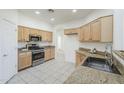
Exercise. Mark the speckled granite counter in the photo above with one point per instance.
(119, 53)
(88, 54)
(86, 75)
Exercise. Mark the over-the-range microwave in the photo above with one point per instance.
(34, 38)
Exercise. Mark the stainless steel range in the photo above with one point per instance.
(37, 54)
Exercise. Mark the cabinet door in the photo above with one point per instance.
(29, 59)
(20, 33)
(107, 29)
(47, 54)
(26, 34)
(49, 36)
(87, 32)
(95, 30)
(44, 36)
(77, 59)
(81, 34)
(52, 52)
(22, 61)
(25, 60)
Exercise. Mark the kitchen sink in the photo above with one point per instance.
(100, 64)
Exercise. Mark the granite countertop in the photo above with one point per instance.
(86, 75)
(87, 52)
(119, 53)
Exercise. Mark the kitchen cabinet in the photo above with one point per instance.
(23, 34)
(107, 29)
(49, 36)
(99, 30)
(52, 52)
(95, 30)
(44, 36)
(71, 31)
(86, 32)
(25, 60)
(49, 53)
(79, 58)
(34, 32)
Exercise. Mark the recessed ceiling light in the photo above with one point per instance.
(37, 12)
(52, 19)
(74, 10)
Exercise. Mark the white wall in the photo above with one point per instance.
(118, 29)
(71, 43)
(10, 17)
(35, 23)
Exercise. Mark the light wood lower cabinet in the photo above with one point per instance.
(49, 53)
(79, 58)
(24, 60)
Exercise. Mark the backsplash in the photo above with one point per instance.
(23, 44)
(98, 46)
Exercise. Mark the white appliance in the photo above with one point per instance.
(8, 50)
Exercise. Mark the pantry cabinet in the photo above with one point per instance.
(24, 60)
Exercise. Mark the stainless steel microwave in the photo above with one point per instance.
(34, 38)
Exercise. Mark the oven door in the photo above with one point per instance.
(37, 55)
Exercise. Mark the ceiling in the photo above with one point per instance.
(60, 15)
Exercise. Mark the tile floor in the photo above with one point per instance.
(52, 72)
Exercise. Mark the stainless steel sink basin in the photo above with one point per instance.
(100, 64)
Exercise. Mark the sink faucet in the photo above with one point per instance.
(108, 55)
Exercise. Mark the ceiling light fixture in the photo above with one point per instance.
(37, 12)
(74, 10)
(52, 19)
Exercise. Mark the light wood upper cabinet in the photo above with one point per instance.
(100, 30)
(81, 34)
(95, 30)
(23, 34)
(86, 32)
(107, 29)
(20, 33)
(26, 32)
(71, 31)
(49, 36)
(25, 60)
